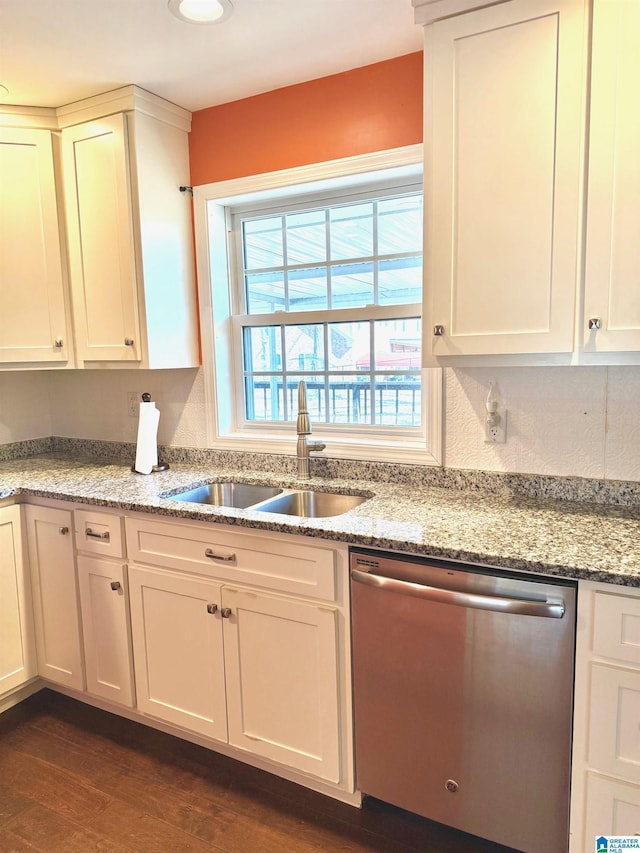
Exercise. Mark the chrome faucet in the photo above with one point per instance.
(303, 428)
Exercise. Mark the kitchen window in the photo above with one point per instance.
(318, 276)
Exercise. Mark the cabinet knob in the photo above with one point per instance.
(63, 531)
(594, 323)
(128, 342)
(438, 331)
(115, 585)
(225, 612)
(212, 608)
(58, 343)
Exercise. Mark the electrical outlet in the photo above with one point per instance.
(133, 403)
(496, 433)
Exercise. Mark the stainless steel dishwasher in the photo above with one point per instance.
(463, 686)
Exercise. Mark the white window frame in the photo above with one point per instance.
(222, 365)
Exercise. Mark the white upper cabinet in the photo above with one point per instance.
(612, 272)
(129, 231)
(101, 250)
(33, 321)
(504, 133)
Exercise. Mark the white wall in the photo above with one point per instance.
(93, 404)
(25, 412)
(567, 421)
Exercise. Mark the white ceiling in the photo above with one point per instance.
(54, 52)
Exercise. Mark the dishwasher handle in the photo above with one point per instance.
(550, 609)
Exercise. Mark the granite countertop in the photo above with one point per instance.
(588, 541)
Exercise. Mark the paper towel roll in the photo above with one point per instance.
(147, 446)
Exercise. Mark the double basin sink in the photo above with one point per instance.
(303, 503)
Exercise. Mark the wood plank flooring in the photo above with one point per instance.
(74, 779)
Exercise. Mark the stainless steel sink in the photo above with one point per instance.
(309, 504)
(238, 495)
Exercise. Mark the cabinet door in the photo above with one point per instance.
(177, 650)
(55, 598)
(105, 625)
(503, 139)
(612, 272)
(32, 307)
(17, 652)
(614, 725)
(613, 808)
(282, 681)
(101, 248)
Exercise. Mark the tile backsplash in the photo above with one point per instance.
(562, 421)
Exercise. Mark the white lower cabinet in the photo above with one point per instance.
(177, 648)
(255, 670)
(242, 636)
(281, 658)
(606, 760)
(80, 606)
(611, 804)
(104, 605)
(55, 596)
(17, 652)
(105, 628)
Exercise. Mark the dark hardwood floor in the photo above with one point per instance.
(74, 779)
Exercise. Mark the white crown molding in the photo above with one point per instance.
(428, 11)
(121, 100)
(42, 118)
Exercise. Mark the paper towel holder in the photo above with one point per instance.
(156, 469)
(161, 466)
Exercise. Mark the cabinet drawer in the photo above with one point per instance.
(614, 745)
(616, 631)
(613, 808)
(252, 558)
(99, 533)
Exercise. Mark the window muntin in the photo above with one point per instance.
(354, 268)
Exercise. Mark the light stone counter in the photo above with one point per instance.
(583, 540)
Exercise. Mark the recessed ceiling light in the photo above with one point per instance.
(201, 11)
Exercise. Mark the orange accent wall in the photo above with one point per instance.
(355, 112)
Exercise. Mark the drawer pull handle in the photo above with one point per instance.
(63, 530)
(225, 612)
(212, 608)
(128, 342)
(115, 585)
(224, 558)
(93, 535)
